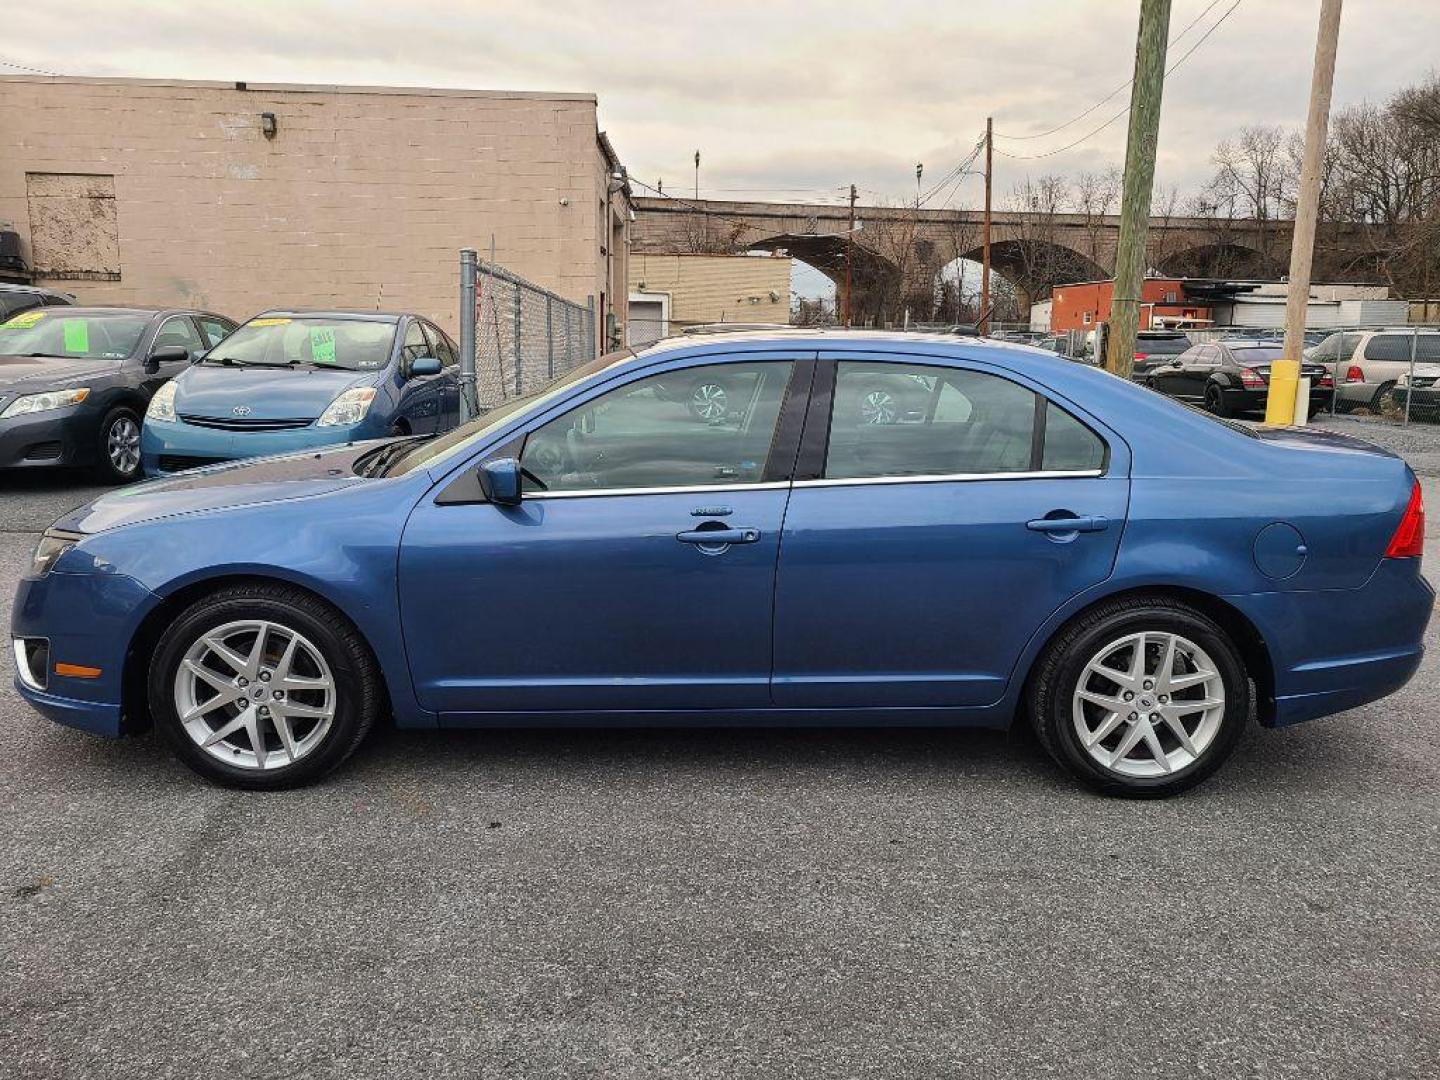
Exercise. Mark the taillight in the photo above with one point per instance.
(1251, 379)
(1409, 539)
(1142, 356)
(1326, 381)
(1354, 374)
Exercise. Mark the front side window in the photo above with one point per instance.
(179, 331)
(696, 427)
(217, 330)
(415, 345)
(72, 334)
(286, 340)
(895, 420)
(440, 346)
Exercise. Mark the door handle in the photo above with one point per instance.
(1069, 524)
(717, 537)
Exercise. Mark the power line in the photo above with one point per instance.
(1096, 131)
(27, 67)
(1110, 96)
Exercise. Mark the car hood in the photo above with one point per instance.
(269, 393)
(28, 374)
(241, 483)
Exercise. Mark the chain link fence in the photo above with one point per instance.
(523, 335)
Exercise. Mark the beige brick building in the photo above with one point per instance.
(240, 197)
(670, 292)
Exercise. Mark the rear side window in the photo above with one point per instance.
(892, 420)
(1397, 347)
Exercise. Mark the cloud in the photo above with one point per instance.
(776, 96)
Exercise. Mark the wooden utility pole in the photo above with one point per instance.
(1285, 374)
(985, 236)
(849, 256)
(1140, 145)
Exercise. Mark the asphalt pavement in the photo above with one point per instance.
(719, 904)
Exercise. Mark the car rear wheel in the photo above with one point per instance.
(1384, 398)
(1141, 698)
(119, 456)
(1215, 401)
(263, 687)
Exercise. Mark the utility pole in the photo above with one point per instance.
(1140, 144)
(985, 236)
(849, 256)
(1285, 373)
(697, 175)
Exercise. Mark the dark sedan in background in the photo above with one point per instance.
(74, 382)
(1154, 349)
(1232, 376)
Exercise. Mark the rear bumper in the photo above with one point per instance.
(167, 447)
(1334, 650)
(1255, 400)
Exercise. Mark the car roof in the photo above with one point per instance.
(321, 313)
(1252, 343)
(37, 290)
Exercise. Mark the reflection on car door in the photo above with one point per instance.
(919, 555)
(637, 572)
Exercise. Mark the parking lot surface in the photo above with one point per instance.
(720, 903)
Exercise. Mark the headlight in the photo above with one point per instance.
(51, 399)
(50, 548)
(162, 405)
(349, 408)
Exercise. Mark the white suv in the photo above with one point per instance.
(1379, 359)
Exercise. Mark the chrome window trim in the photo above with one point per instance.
(940, 478)
(684, 489)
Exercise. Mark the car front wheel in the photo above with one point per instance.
(264, 687)
(119, 457)
(1141, 698)
(1215, 401)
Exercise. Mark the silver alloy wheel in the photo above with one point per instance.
(255, 694)
(878, 407)
(710, 402)
(1149, 704)
(122, 444)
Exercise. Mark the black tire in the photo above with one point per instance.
(1384, 396)
(119, 423)
(359, 695)
(1215, 400)
(1057, 673)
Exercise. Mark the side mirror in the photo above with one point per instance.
(500, 481)
(165, 354)
(424, 365)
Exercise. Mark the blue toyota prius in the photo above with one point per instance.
(290, 380)
(857, 529)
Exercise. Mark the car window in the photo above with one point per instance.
(415, 344)
(179, 330)
(919, 420)
(1070, 446)
(216, 330)
(1396, 347)
(73, 333)
(695, 427)
(439, 346)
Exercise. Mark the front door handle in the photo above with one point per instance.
(716, 537)
(1093, 523)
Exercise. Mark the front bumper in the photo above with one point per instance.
(66, 436)
(1424, 402)
(171, 446)
(87, 620)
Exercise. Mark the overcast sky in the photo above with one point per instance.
(776, 95)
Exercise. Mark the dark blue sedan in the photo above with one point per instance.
(866, 530)
(290, 380)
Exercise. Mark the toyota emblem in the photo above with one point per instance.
(241, 410)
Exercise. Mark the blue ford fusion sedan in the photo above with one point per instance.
(873, 529)
(292, 380)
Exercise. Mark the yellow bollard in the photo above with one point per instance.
(1280, 402)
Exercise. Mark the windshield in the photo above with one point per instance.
(73, 335)
(435, 450)
(1256, 354)
(1161, 346)
(272, 341)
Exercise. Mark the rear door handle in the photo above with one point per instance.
(1069, 524)
(718, 536)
